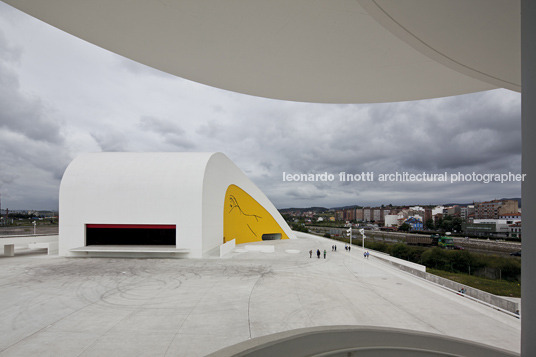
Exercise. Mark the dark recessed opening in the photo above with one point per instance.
(130, 235)
(271, 236)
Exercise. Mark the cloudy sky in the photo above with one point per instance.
(61, 96)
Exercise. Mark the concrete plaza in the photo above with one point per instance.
(54, 306)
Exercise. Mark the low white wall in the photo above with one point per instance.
(387, 257)
(227, 247)
(260, 248)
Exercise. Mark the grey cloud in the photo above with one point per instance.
(160, 126)
(465, 133)
(210, 130)
(23, 114)
(10, 53)
(173, 134)
(30, 171)
(305, 192)
(20, 112)
(6, 176)
(110, 141)
(31, 139)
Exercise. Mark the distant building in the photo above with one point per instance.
(487, 227)
(453, 211)
(437, 210)
(427, 214)
(415, 224)
(367, 216)
(466, 212)
(514, 230)
(377, 215)
(349, 214)
(511, 216)
(391, 220)
(494, 209)
(359, 214)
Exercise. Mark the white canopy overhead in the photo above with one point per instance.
(342, 51)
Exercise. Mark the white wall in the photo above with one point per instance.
(132, 188)
(184, 189)
(220, 173)
(390, 220)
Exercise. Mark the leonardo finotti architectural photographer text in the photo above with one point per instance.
(370, 176)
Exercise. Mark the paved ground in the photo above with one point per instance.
(54, 306)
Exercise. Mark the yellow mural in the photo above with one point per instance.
(245, 220)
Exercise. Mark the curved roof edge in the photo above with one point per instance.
(383, 17)
(306, 51)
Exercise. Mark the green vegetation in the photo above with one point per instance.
(497, 287)
(299, 227)
(449, 224)
(491, 267)
(404, 227)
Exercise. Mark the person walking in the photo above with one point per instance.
(310, 253)
(335, 247)
(348, 248)
(324, 254)
(318, 253)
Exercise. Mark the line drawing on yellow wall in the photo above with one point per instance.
(234, 204)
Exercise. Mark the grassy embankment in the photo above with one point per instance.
(496, 287)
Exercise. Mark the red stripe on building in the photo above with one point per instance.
(133, 226)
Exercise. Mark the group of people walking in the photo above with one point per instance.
(318, 253)
(334, 249)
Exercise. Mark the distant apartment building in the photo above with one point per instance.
(349, 214)
(511, 216)
(466, 212)
(377, 215)
(367, 216)
(494, 209)
(453, 211)
(427, 214)
(359, 214)
(437, 210)
(514, 230)
(372, 214)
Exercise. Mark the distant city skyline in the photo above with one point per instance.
(61, 97)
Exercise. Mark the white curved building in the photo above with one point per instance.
(178, 204)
